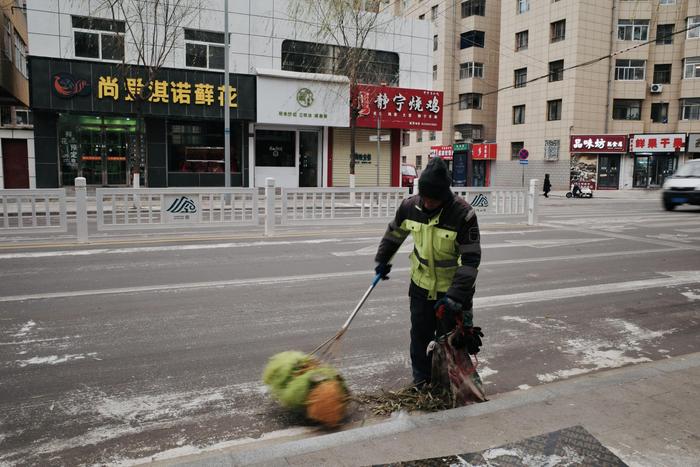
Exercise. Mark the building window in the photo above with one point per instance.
(419, 162)
(204, 49)
(470, 100)
(199, 147)
(662, 73)
(523, 6)
(405, 138)
(469, 132)
(664, 34)
(554, 110)
(515, 148)
(630, 70)
(518, 114)
(403, 159)
(557, 31)
(473, 8)
(20, 55)
(632, 29)
(627, 109)
(691, 68)
(521, 39)
(421, 17)
(693, 27)
(419, 136)
(471, 39)
(659, 112)
(308, 57)
(667, 2)
(7, 36)
(98, 38)
(690, 109)
(435, 72)
(520, 78)
(471, 70)
(435, 42)
(434, 13)
(432, 136)
(556, 70)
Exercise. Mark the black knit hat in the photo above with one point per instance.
(435, 181)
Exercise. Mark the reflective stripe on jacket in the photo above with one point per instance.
(447, 250)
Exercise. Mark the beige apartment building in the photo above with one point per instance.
(605, 93)
(465, 46)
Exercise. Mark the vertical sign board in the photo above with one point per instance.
(181, 209)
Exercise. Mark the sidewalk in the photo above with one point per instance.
(646, 414)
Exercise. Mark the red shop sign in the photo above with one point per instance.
(443, 152)
(666, 142)
(406, 109)
(484, 152)
(598, 143)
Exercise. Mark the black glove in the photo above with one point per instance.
(383, 269)
(447, 307)
(469, 337)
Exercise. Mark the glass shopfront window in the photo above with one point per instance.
(199, 147)
(652, 170)
(101, 149)
(275, 148)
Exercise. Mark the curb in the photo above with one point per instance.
(403, 422)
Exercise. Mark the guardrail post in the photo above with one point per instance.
(269, 206)
(81, 209)
(532, 203)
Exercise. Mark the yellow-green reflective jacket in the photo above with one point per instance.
(447, 250)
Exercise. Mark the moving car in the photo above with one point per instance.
(683, 187)
(408, 176)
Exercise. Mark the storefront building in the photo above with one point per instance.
(597, 160)
(383, 112)
(295, 117)
(655, 156)
(86, 123)
(693, 151)
(482, 156)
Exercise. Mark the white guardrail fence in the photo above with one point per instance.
(33, 211)
(166, 208)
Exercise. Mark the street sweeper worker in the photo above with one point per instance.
(444, 262)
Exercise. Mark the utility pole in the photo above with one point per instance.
(227, 104)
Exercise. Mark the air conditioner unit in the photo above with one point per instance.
(656, 88)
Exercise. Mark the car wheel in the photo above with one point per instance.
(569, 195)
(669, 206)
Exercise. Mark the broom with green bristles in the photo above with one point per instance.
(301, 382)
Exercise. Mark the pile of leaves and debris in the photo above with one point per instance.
(410, 399)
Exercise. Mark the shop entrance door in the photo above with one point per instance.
(608, 172)
(308, 158)
(652, 171)
(97, 148)
(15, 163)
(479, 173)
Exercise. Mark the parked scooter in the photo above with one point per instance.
(578, 192)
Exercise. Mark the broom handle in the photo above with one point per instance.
(376, 280)
(342, 330)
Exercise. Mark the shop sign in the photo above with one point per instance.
(290, 98)
(694, 142)
(180, 92)
(667, 142)
(484, 152)
(598, 143)
(406, 109)
(443, 152)
(363, 158)
(460, 147)
(181, 209)
(78, 86)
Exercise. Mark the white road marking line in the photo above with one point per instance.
(671, 279)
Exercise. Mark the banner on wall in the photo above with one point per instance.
(584, 170)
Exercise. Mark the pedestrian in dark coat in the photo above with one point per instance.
(547, 186)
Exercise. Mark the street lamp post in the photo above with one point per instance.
(227, 104)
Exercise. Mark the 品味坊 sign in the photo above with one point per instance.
(80, 86)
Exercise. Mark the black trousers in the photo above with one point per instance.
(423, 324)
